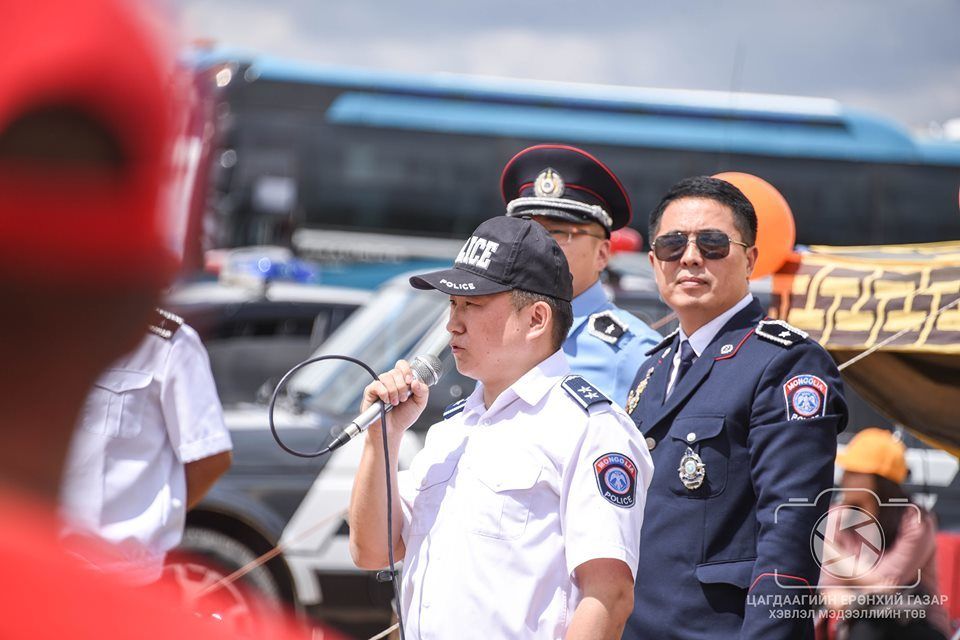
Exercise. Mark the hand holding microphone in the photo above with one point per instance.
(403, 391)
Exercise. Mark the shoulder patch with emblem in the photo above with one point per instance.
(666, 340)
(454, 408)
(616, 479)
(164, 323)
(780, 333)
(806, 397)
(583, 393)
(606, 326)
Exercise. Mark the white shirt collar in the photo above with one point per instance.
(531, 387)
(703, 336)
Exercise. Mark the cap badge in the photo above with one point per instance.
(549, 184)
(692, 470)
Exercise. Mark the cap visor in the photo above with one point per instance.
(458, 282)
(557, 214)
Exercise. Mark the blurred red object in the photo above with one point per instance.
(86, 118)
(625, 239)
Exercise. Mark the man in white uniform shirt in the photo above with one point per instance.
(150, 443)
(520, 518)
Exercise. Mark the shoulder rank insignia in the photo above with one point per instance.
(780, 333)
(454, 408)
(584, 393)
(164, 323)
(666, 340)
(606, 326)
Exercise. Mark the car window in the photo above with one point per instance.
(385, 330)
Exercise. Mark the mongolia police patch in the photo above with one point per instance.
(617, 479)
(806, 397)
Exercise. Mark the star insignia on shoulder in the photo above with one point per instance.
(583, 393)
(780, 333)
(607, 326)
(164, 323)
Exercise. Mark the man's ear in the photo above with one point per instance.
(753, 253)
(539, 319)
(603, 255)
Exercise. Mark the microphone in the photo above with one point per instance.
(426, 368)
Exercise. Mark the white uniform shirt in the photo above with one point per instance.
(503, 504)
(148, 414)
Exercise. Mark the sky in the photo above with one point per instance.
(900, 58)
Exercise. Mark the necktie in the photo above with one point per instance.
(687, 356)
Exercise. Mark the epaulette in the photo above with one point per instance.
(164, 323)
(454, 409)
(584, 393)
(780, 333)
(667, 340)
(606, 326)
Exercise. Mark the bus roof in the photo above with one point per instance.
(712, 121)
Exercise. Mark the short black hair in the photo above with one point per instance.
(562, 312)
(744, 215)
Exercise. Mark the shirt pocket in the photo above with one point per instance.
(708, 439)
(501, 497)
(736, 572)
(430, 491)
(115, 405)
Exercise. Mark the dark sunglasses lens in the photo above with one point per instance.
(713, 245)
(670, 248)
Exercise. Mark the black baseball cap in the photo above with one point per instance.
(566, 183)
(504, 254)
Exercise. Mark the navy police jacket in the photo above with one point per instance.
(742, 449)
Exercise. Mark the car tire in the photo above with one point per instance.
(205, 557)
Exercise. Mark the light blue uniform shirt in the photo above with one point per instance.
(609, 362)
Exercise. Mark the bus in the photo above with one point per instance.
(314, 155)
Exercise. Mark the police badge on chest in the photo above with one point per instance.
(692, 470)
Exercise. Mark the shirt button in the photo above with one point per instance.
(691, 436)
(651, 443)
(485, 422)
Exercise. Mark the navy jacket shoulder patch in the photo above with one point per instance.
(454, 409)
(667, 340)
(583, 393)
(164, 323)
(606, 326)
(780, 333)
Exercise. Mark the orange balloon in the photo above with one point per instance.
(776, 231)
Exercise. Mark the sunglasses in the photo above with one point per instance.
(713, 245)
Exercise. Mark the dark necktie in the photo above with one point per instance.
(687, 356)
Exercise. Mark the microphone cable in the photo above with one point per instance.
(394, 577)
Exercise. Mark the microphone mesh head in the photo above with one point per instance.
(427, 368)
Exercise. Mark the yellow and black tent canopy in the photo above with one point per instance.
(890, 316)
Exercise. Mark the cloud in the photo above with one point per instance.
(901, 59)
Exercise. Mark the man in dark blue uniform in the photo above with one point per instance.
(579, 200)
(741, 415)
